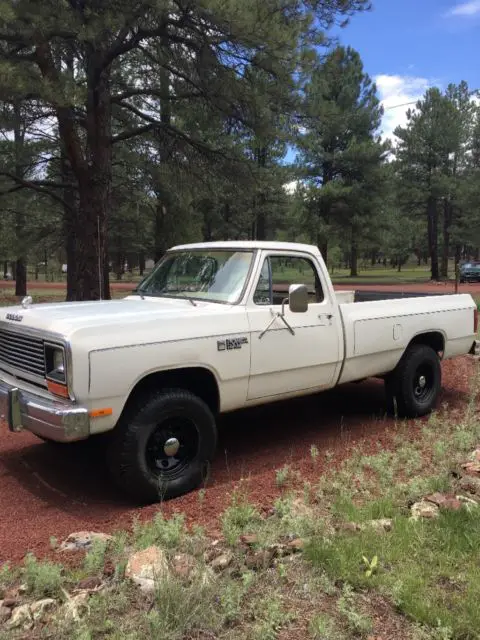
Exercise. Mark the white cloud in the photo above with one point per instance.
(471, 8)
(395, 90)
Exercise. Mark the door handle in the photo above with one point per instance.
(328, 316)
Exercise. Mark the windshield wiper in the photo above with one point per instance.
(140, 293)
(182, 297)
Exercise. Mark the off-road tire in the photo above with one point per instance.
(408, 396)
(130, 444)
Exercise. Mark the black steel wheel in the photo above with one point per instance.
(163, 446)
(413, 387)
(172, 446)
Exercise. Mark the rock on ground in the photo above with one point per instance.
(146, 567)
(424, 509)
(83, 540)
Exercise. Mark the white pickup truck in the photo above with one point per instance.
(213, 328)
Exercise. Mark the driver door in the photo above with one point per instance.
(282, 363)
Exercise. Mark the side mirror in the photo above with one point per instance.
(298, 298)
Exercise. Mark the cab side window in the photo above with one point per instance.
(279, 272)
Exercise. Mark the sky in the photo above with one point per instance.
(410, 45)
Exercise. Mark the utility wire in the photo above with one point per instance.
(406, 104)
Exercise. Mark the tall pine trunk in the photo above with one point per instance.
(20, 262)
(90, 160)
(70, 207)
(163, 211)
(322, 244)
(354, 256)
(324, 213)
(160, 229)
(260, 200)
(432, 222)
(70, 222)
(447, 218)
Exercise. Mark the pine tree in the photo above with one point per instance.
(425, 146)
(99, 67)
(340, 151)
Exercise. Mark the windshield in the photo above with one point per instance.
(215, 276)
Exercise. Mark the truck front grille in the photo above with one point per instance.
(22, 352)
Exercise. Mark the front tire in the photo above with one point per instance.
(412, 389)
(162, 446)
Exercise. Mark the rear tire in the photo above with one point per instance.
(412, 389)
(162, 446)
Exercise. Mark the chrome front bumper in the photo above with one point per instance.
(50, 419)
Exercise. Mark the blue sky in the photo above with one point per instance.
(410, 45)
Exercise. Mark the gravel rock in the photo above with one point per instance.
(21, 617)
(381, 525)
(11, 602)
(147, 567)
(260, 560)
(296, 545)
(221, 562)
(424, 509)
(83, 540)
(41, 607)
(90, 584)
(472, 468)
(75, 606)
(5, 613)
(470, 484)
(183, 565)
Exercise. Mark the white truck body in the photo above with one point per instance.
(246, 348)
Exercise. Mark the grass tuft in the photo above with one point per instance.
(43, 578)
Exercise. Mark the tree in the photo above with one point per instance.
(340, 151)
(460, 213)
(73, 56)
(425, 146)
(21, 155)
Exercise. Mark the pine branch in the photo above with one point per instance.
(38, 186)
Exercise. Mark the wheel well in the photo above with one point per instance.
(198, 380)
(433, 339)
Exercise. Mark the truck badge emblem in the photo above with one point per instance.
(14, 317)
(231, 343)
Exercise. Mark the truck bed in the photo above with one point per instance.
(364, 295)
(376, 334)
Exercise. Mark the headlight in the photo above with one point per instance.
(55, 363)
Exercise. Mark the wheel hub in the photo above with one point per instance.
(422, 386)
(171, 447)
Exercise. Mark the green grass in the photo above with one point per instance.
(43, 579)
(381, 275)
(428, 568)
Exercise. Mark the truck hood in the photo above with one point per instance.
(66, 318)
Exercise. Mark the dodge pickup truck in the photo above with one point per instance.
(213, 328)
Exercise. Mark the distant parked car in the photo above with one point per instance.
(470, 272)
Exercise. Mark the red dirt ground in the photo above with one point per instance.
(46, 492)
